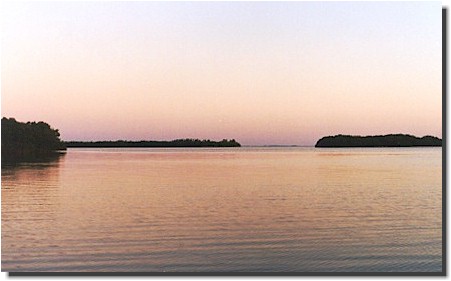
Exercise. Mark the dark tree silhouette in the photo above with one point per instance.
(173, 143)
(23, 141)
(393, 140)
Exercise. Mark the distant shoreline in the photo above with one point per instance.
(392, 140)
(252, 146)
(156, 144)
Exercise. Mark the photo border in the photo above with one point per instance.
(444, 217)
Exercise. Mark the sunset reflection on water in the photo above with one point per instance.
(229, 209)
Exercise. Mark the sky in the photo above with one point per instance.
(285, 73)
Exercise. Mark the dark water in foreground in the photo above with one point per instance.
(228, 209)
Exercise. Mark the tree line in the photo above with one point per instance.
(392, 140)
(35, 140)
(172, 143)
(28, 140)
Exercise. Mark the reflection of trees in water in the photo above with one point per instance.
(29, 193)
(36, 162)
(32, 173)
(30, 207)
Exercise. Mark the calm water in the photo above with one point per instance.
(229, 209)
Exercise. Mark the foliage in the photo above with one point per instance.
(392, 140)
(173, 143)
(28, 140)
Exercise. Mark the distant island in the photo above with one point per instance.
(172, 143)
(392, 140)
(28, 141)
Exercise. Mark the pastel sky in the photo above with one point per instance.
(259, 72)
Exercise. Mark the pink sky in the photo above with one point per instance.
(262, 73)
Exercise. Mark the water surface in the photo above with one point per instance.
(225, 209)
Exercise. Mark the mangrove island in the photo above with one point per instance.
(392, 140)
(28, 141)
(173, 143)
